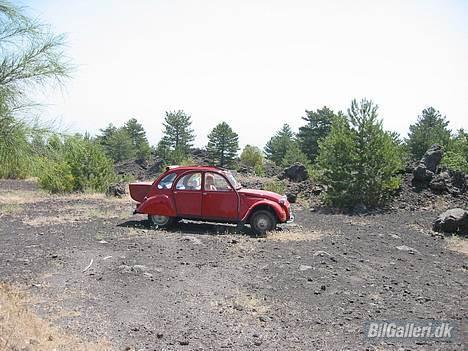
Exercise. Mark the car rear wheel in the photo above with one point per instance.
(262, 221)
(160, 221)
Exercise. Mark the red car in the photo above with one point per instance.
(208, 194)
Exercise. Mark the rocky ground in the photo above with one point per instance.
(92, 272)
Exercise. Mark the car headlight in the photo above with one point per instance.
(283, 200)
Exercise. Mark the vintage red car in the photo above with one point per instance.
(211, 194)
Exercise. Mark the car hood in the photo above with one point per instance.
(261, 194)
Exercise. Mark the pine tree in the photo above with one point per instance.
(318, 126)
(178, 134)
(138, 136)
(276, 147)
(223, 144)
(430, 128)
(294, 155)
(359, 161)
(119, 146)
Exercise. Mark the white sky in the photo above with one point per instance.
(257, 64)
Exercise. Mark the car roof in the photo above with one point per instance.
(194, 168)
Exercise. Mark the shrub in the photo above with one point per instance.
(77, 164)
(275, 186)
(251, 156)
(55, 176)
(359, 161)
(455, 161)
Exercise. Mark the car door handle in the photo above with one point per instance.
(204, 193)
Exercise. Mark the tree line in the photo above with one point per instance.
(349, 152)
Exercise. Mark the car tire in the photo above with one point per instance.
(160, 221)
(262, 221)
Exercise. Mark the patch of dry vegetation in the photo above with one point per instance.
(456, 243)
(22, 329)
(295, 234)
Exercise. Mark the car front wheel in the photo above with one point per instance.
(160, 221)
(262, 221)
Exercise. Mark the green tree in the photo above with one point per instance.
(317, 127)
(276, 147)
(359, 160)
(223, 144)
(430, 128)
(119, 146)
(178, 134)
(456, 156)
(252, 156)
(138, 137)
(294, 155)
(30, 57)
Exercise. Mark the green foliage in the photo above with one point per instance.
(359, 161)
(455, 161)
(15, 151)
(318, 126)
(275, 186)
(138, 139)
(177, 136)
(251, 156)
(294, 155)
(430, 128)
(276, 147)
(125, 143)
(75, 164)
(456, 156)
(55, 176)
(119, 146)
(30, 55)
(223, 144)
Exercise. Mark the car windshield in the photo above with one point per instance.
(233, 180)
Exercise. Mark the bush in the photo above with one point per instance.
(455, 161)
(251, 156)
(275, 186)
(77, 164)
(55, 176)
(359, 161)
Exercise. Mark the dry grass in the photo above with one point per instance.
(456, 243)
(9, 209)
(77, 213)
(22, 329)
(296, 234)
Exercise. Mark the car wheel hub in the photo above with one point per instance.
(263, 223)
(159, 220)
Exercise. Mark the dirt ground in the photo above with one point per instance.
(80, 272)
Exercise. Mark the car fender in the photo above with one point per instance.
(279, 211)
(161, 205)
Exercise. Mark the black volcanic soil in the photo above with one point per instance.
(309, 286)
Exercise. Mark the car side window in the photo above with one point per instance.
(216, 182)
(191, 181)
(166, 182)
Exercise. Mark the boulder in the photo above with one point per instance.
(291, 197)
(422, 174)
(452, 221)
(296, 173)
(117, 190)
(427, 167)
(432, 157)
(440, 182)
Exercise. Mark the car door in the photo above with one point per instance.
(220, 200)
(188, 196)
